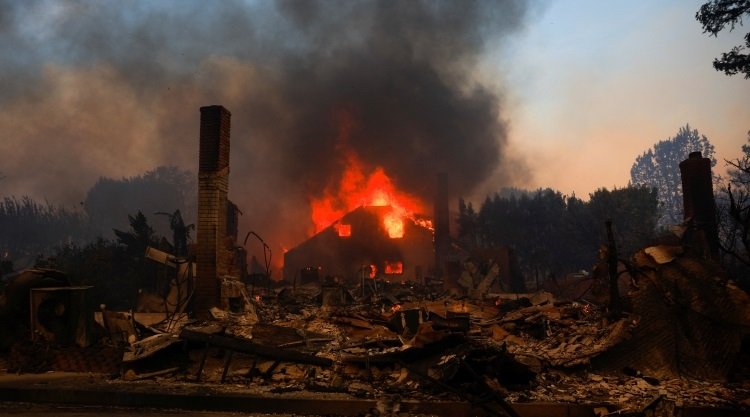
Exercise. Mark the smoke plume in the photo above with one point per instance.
(96, 89)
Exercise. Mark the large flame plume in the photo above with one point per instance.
(359, 187)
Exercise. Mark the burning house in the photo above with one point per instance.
(366, 227)
(369, 241)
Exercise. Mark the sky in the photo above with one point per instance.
(558, 93)
(593, 84)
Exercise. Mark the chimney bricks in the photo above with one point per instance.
(698, 199)
(213, 186)
(214, 139)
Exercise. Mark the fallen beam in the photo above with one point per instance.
(247, 346)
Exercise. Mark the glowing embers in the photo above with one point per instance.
(372, 271)
(343, 230)
(394, 268)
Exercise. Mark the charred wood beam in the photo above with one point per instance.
(306, 342)
(269, 371)
(138, 377)
(227, 362)
(204, 356)
(246, 346)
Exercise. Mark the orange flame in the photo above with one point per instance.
(344, 230)
(394, 224)
(359, 186)
(356, 189)
(396, 267)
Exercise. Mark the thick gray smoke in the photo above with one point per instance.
(113, 89)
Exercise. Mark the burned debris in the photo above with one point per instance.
(371, 314)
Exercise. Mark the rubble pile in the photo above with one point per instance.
(380, 339)
(631, 392)
(690, 319)
(402, 339)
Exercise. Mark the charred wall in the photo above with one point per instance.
(368, 244)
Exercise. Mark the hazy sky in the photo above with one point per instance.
(592, 84)
(562, 94)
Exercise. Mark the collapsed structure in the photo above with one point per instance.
(390, 333)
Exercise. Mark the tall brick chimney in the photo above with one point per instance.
(698, 199)
(213, 186)
(442, 224)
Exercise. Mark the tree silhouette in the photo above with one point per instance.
(735, 214)
(553, 234)
(138, 237)
(29, 228)
(659, 168)
(715, 15)
(467, 224)
(163, 189)
(180, 232)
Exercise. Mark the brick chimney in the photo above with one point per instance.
(698, 199)
(213, 186)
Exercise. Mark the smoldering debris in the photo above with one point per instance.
(409, 340)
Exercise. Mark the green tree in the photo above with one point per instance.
(658, 168)
(714, 16)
